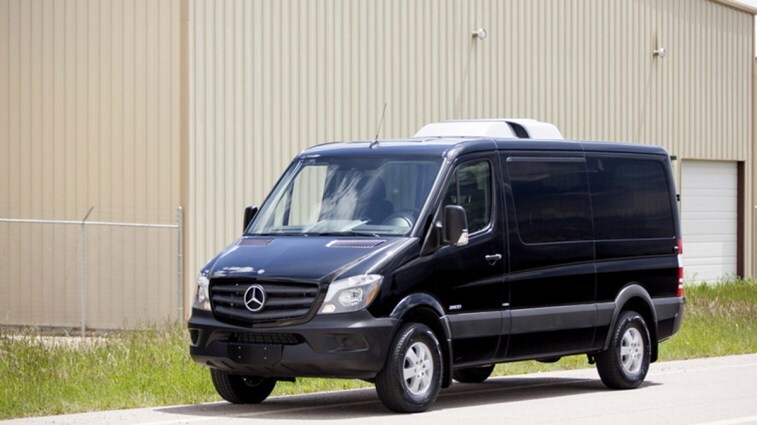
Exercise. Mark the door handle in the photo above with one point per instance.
(493, 258)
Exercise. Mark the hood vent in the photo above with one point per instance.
(352, 243)
(254, 242)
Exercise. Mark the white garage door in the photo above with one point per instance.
(709, 200)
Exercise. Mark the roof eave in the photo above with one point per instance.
(736, 5)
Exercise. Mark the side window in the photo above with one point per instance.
(470, 188)
(551, 199)
(630, 198)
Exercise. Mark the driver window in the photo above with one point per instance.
(470, 188)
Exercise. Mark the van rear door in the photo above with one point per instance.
(633, 200)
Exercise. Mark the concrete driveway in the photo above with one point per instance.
(716, 391)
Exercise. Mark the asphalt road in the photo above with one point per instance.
(716, 391)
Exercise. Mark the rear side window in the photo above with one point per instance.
(630, 199)
(551, 199)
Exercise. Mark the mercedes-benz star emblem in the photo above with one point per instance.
(254, 298)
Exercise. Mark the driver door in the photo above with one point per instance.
(469, 279)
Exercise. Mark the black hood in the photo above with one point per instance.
(302, 257)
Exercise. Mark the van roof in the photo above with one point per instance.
(451, 147)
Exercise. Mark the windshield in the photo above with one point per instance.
(348, 196)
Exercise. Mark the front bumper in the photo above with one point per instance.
(350, 345)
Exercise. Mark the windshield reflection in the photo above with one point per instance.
(338, 196)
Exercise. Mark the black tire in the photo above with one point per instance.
(625, 364)
(415, 349)
(473, 375)
(240, 389)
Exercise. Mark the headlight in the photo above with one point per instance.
(202, 294)
(351, 294)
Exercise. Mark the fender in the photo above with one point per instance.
(421, 299)
(632, 291)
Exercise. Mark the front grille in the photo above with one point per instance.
(265, 338)
(285, 301)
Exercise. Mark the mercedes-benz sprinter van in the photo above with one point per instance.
(410, 263)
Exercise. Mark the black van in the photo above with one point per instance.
(410, 263)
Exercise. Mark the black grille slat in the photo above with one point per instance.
(234, 313)
(290, 302)
(285, 301)
(228, 300)
(277, 315)
(275, 289)
(230, 288)
(238, 313)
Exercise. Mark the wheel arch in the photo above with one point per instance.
(424, 308)
(634, 297)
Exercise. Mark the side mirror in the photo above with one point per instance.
(455, 225)
(249, 214)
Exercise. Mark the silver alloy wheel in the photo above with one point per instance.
(418, 368)
(632, 351)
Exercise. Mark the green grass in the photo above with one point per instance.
(719, 320)
(141, 368)
(152, 367)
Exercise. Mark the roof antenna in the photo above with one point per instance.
(375, 143)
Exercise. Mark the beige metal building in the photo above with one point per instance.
(90, 116)
(139, 107)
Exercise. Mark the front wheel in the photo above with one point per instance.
(625, 363)
(411, 378)
(240, 389)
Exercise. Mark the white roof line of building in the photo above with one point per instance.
(736, 5)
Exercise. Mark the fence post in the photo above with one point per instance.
(180, 262)
(83, 272)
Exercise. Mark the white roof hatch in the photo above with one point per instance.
(504, 128)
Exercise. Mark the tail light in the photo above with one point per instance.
(679, 250)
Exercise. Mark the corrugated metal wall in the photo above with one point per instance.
(270, 78)
(89, 116)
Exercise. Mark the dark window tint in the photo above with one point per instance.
(470, 188)
(630, 199)
(551, 199)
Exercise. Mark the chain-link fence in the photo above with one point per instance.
(89, 275)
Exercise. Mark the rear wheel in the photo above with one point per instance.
(240, 389)
(625, 363)
(411, 378)
(473, 375)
